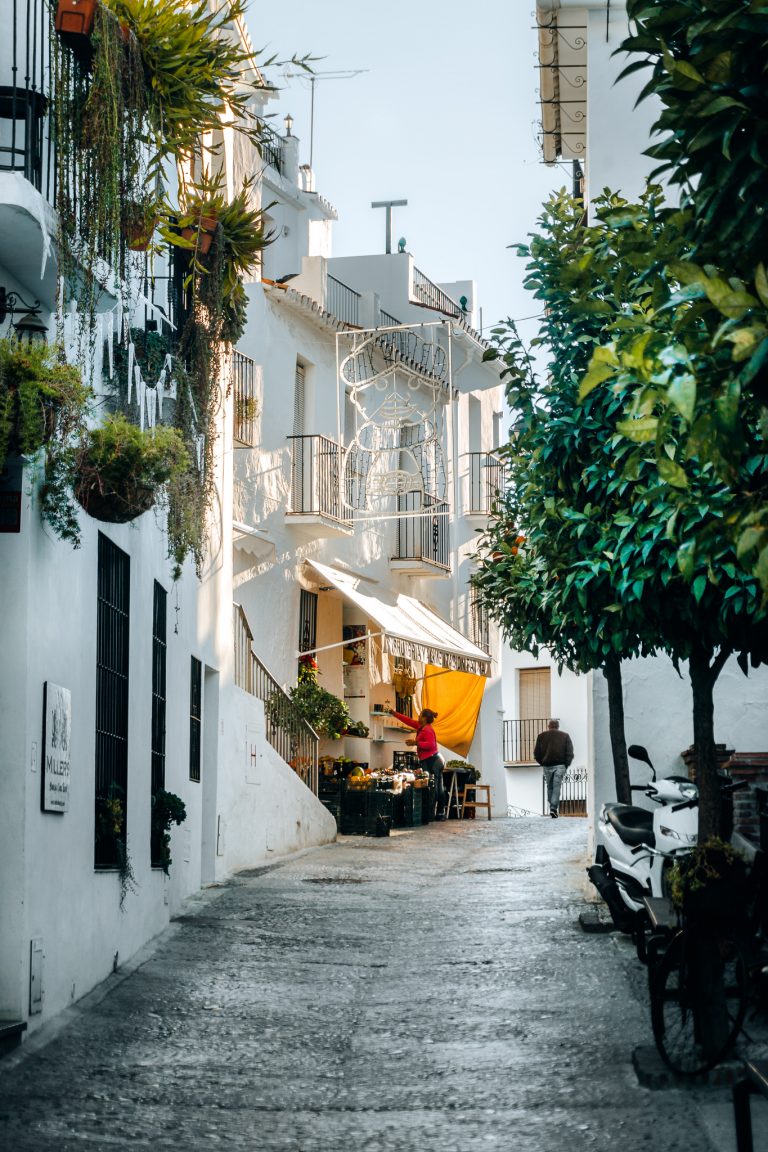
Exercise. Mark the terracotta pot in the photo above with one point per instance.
(202, 239)
(138, 237)
(75, 16)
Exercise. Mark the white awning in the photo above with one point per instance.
(408, 628)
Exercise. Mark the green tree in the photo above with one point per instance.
(598, 578)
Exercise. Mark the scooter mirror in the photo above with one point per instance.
(637, 752)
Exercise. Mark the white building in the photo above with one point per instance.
(163, 684)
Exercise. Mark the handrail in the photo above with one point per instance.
(434, 297)
(287, 731)
(342, 301)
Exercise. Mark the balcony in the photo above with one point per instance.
(486, 480)
(431, 296)
(423, 541)
(519, 739)
(342, 301)
(316, 466)
(270, 146)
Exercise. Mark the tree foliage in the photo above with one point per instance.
(599, 576)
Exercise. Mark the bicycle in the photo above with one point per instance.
(706, 970)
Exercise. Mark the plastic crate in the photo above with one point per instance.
(360, 811)
(412, 803)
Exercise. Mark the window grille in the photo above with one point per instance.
(307, 621)
(159, 648)
(195, 718)
(479, 625)
(112, 636)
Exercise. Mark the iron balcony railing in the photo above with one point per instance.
(424, 535)
(573, 793)
(243, 378)
(286, 730)
(25, 58)
(270, 146)
(316, 463)
(486, 482)
(520, 739)
(342, 301)
(428, 293)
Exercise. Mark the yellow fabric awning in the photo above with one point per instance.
(456, 698)
(408, 628)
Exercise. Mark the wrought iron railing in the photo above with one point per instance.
(270, 146)
(286, 730)
(386, 320)
(24, 94)
(246, 400)
(520, 739)
(434, 297)
(342, 301)
(486, 481)
(573, 793)
(424, 535)
(316, 465)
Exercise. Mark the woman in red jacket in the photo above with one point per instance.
(425, 742)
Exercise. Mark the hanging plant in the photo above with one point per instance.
(40, 396)
(120, 469)
(167, 809)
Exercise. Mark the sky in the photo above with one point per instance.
(443, 114)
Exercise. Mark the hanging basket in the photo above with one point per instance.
(112, 507)
(75, 17)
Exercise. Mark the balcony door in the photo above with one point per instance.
(534, 707)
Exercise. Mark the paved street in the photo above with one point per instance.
(431, 991)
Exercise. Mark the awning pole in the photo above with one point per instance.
(338, 644)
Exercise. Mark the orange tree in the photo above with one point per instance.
(598, 579)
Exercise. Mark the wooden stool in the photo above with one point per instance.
(475, 804)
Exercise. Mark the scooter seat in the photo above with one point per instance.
(633, 825)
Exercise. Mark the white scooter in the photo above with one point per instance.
(625, 870)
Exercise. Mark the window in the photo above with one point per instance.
(159, 614)
(299, 399)
(195, 718)
(307, 621)
(479, 625)
(112, 635)
(534, 694)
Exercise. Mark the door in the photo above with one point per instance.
(534, 707)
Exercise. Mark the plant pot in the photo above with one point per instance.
(112, 507)
(138, 237)
(75, 17)
(202, 240)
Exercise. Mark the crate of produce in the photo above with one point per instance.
(405, 761)
(428, 801)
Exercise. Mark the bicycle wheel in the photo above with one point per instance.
(698, 1002)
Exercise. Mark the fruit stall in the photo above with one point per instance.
(371, 802)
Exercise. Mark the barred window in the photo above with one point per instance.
(479, 625)
(195, 718)
(112, 636)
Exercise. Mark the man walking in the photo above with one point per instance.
(554, 751)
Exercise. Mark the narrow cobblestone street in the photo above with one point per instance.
(431, 991)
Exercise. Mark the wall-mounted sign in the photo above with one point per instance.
(57, 730)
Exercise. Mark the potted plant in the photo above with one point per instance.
(140, 219)
(111, 841)
(39, 394)
(323, 711)
(75, 17)
(167, 809)
(473, 774)
(709, 882)
(120, 469)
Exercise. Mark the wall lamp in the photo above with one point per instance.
(30, 326)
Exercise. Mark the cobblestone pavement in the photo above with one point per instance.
(431, 991)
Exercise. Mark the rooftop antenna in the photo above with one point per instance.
(347, 74)
(389, 205)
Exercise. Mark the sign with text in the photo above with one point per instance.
(57, 729)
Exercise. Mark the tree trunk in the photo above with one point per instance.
(612, 673)
(704, 672)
